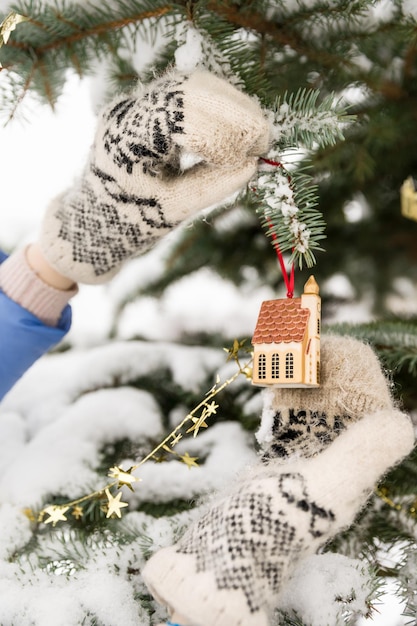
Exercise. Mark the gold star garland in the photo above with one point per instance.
(409, 509)
(196, 420)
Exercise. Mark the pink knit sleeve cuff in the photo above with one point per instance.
(21, 284)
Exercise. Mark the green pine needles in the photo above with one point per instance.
(287, 194)
(302, 118)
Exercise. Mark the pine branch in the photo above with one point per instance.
(54, 39)
(287, 206)
(61, 27)
(301, 120)
(287, 202)
(94, 31)
(279, 31)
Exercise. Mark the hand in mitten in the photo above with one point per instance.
(303, 422)
(231, 565)
(133, 189)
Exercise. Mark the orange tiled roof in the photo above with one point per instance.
(281, 321)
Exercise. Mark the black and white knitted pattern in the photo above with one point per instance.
(132, 136)
(249, 539)
(99, 233)
(304, 432)
(145, 134)
(301, 423)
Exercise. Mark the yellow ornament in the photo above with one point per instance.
(124, 477)
(286, 341)
(9, 24)
(198, 422)
(114, 504)
(190, 461)
(56, 514)
(233, 352)
(211, 408)
(248, 372)
(77, 512)
(409, 199)
(29, 514)
(176, 438)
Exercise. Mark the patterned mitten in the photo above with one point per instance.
(230, 566)
(134, 189)
(304, 421)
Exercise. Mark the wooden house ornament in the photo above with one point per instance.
(409, 198)
(286, 341)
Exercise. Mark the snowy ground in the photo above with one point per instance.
(43, 431)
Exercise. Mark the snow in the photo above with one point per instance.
(342, 582)
(48, 597)
(196, 50)
(410, 8)
(191, 305)
(188, 55)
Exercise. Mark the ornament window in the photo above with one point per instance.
(318, 327)
(275, 366)
(262, 367)
(289, 365)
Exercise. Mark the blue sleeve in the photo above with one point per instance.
(24, 338)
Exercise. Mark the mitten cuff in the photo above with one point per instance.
(174, 581)
(21, 284)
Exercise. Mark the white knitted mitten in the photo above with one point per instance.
(304, 421)
(133, 189)
(230, 566)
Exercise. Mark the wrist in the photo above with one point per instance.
(24, 285)
(44, 270)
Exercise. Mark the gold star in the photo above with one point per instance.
(190, 461)
(56, 514)
(9, 24)
(211, 408)
(248, 372)
(158, 459)
(198, 422)
(176, 439)
(114, 505)
(124, 477)
(29, 514)
(77, 512)
(234, 350)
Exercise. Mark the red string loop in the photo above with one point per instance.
(288, 277)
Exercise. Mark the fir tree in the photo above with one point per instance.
(339, 80)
